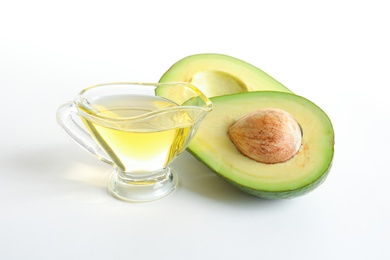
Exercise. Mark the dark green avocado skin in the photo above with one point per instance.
(275, 195)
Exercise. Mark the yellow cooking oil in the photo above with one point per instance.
(134, 139)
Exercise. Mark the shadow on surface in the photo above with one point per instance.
(58, 162)
(197, 178)
(66, 163)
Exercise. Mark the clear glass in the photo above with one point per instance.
(139, 129)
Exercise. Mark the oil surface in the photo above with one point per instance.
(143, 145)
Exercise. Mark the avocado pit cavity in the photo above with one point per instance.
(207, 80)
(268, 135)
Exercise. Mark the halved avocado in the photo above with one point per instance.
(218, 74)
(302, 173)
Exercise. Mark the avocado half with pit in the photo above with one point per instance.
(270, 144)
(218, 74)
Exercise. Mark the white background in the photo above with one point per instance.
(53, 198)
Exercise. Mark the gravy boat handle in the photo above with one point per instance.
(65, 118)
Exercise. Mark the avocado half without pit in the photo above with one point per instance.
(259, 137)
(219, 74)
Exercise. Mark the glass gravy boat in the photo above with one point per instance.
(138, 128)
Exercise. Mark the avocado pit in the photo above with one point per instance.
(268, 135)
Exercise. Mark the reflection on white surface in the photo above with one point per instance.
(87, 174)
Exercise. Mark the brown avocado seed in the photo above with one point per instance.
(268, 135)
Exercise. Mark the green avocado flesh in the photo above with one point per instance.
(218, 74)
(302, 173)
